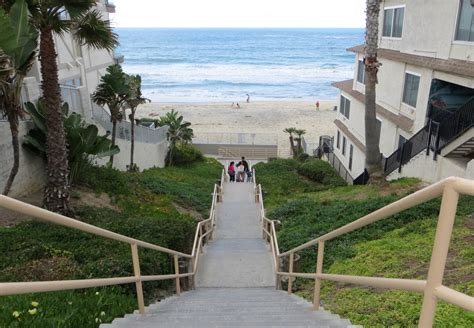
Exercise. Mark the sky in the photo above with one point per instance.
(239, 13)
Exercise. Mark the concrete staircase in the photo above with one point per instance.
(232, 307)
(233, 280)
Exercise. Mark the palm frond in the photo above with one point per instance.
(92, 31)
(77, 8)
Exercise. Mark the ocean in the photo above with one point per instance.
(211, 65)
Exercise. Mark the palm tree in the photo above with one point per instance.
(86, 25)
(18, 43)
(134, 99)
(373, 161)
(179, 132)
(290, 131)
(112, 91)
(299, 139)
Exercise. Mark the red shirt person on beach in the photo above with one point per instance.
(317, 105)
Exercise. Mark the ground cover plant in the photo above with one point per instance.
(398, 247)
(160, 206)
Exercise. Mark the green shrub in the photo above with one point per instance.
(106, 179)
(186, 154)
(303, 157)
(320, 171)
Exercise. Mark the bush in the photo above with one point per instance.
(186, 154)
(303, 157)
(320, 171)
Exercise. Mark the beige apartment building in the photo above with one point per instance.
(425, 95)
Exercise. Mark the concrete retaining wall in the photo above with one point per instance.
(31, 175)
(429, 170)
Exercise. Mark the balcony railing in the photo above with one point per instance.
(438, 133)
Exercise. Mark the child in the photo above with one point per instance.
(249, 176)
(231, 172)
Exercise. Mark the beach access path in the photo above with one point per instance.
(237, 256)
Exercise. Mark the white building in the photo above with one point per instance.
(425, 95)
(80, 70)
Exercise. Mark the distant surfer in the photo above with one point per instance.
(248, 98)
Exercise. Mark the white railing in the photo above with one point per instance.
(203, 233)
(432, 288)
(142, 134)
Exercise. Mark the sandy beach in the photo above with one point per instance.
(254, 117)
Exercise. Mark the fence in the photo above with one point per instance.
(226, 138)
(439, 132)
(433, 289)
(204, 231)
(409, 149)
(142, 134)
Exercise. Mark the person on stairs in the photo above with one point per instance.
(231, 172)
(240, 172)
(243, 163)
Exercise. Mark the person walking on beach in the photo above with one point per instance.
(248, 98)
(238, 106)
(317, 105)
(231, 172)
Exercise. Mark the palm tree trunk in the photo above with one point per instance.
(132, 138)
(292, 146)
(57, 190)
(373, 161)
(114, 131)
(13, 121)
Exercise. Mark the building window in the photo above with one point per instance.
(393, 22)
(338, 139)
(465, 26)
(344, 146)
(345, 107)
(410, 91)
(361, 72)
(351, 154)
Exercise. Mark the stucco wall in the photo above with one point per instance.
(31, 175)
(428, 30)
(146, 155)
(429, 170)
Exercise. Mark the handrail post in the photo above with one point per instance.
(201, 241)
(176, 271)
(290, 270)
(138, 283)
(447, 215)
(319, 270)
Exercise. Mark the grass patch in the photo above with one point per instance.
(145, 210)
(397, 247)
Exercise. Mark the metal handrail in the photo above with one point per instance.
(16, 288)
(432, 288)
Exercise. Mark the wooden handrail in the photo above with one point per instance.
(432, 288)
(15, 288)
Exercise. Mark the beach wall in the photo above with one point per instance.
(31, 174)
(146, 155)
(429, 170)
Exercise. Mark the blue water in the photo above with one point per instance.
(226, 64)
